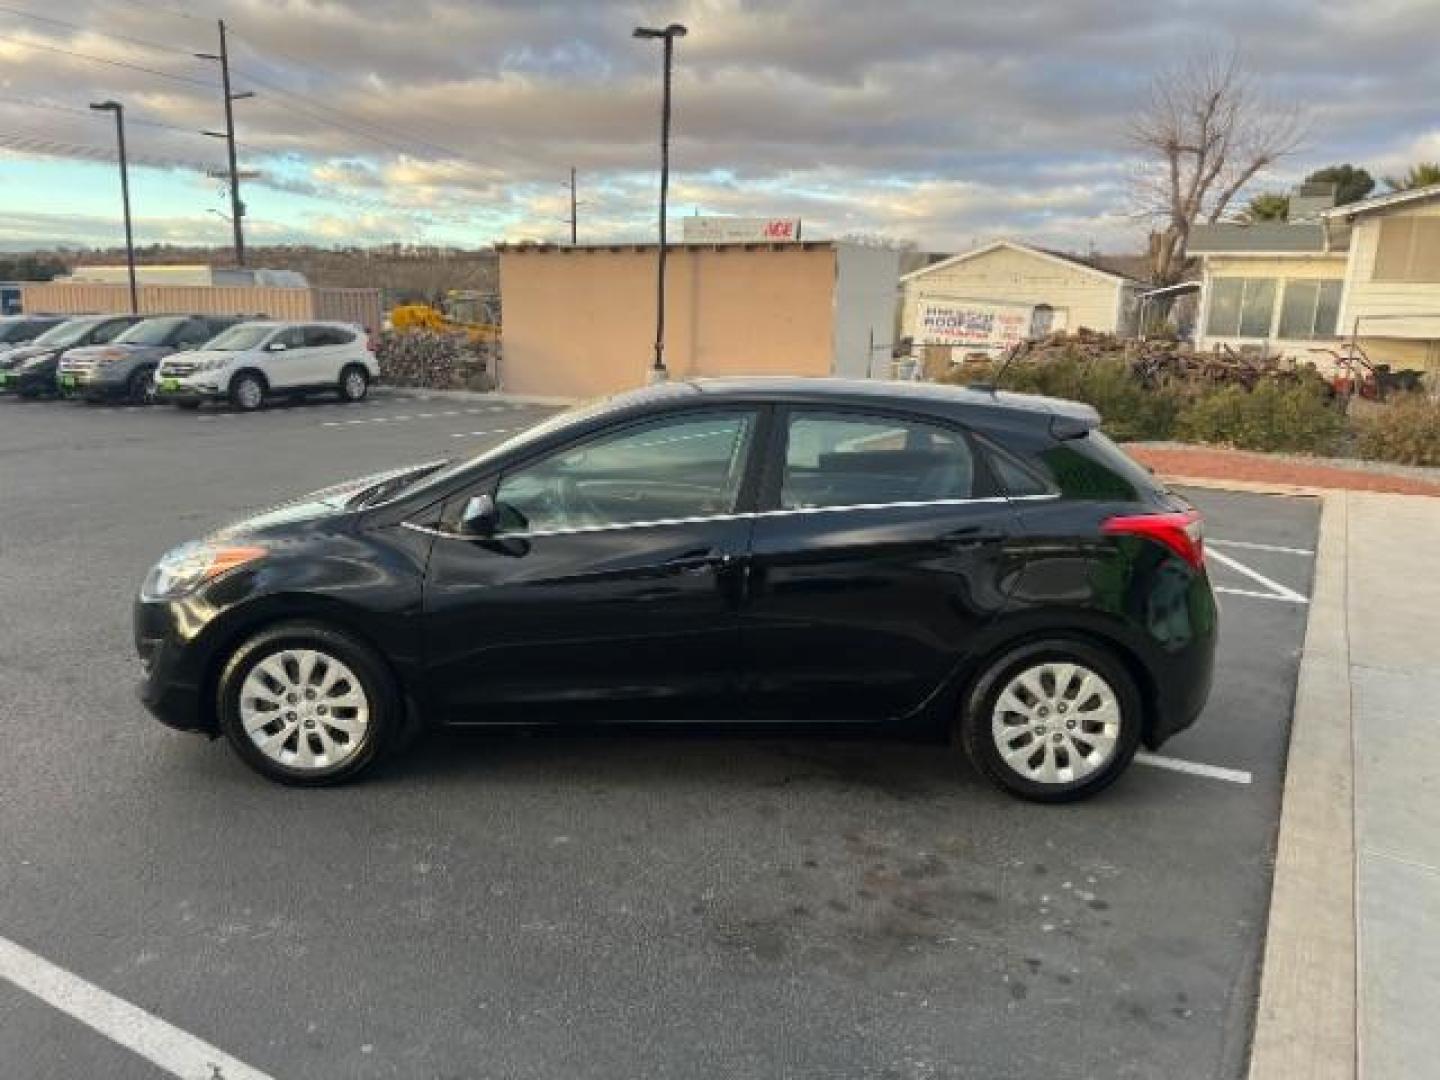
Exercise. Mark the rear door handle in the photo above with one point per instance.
(973, 536)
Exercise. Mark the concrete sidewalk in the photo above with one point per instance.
(1351, 979)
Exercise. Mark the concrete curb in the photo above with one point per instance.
(1306, 1018)
(420, 393)
(1258, 487)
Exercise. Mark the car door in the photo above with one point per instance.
(613, 577)
(879, 550)
(324, 354)
(285, 367)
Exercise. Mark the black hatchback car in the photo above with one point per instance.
(777, 552)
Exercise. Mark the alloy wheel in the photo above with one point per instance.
(304, 709)
(249, 394)
(1056, 722)
(354, 385)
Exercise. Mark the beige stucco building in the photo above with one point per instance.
(990, 298)
(580, 321)
(1368, 271)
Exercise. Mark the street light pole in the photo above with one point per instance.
(237, 207)
(119, 111)
(574, 227)
(668, 35)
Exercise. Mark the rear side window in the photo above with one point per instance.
(857, 460)
(317, 336)
(1015, 479)
(194, 332)
(111, 330)
(1093, 467)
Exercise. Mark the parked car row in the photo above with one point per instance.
(186, 360)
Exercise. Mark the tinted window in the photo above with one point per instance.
(111, 330)
(292, 337)
(679, 468)
(317, 336)
(67, 333)
(851, 460)
(194, 332)
(1093, 467)
(1015, 479)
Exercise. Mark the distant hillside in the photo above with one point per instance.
(401, 273)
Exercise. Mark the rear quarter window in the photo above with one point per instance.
(1093, 467)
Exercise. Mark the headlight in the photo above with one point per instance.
(190, 565)
(36, 361)
(212, 364)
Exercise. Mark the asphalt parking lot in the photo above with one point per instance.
(614, 906)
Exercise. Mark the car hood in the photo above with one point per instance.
(203, 354)
(88, 352)
(25, 352)
(327, 502)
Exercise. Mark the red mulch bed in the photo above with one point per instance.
(1214, 464)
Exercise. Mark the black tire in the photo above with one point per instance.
(354, 384)
(139, 386)
(978, 711)
(188, 406)
(386, 718)
(247, 391)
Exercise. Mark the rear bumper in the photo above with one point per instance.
(1182, 664)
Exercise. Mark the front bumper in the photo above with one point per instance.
(171, 682)
(186, 390)
(28, 383)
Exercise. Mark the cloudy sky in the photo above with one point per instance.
(945, 122)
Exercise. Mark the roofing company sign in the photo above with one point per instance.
(737, 230)
(972, 325)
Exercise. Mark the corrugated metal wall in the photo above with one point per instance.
(347, 305)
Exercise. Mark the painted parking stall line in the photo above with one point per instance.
(1250, 545)
(404, 417)
(158, 1041)
(488, 431)
(1274, 589)
(1195, 768)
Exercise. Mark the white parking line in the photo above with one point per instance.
(401, 418)
(157, 1041)
(1277, 591)
(1250, 545)
(491, 431)
(1255, 594)
(1194, 768)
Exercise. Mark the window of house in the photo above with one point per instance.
(1311, 309)
(1241, 307)
(1408, 249)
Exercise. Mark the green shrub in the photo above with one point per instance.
(1128, 409)
(1273, 416)
(1404, 429)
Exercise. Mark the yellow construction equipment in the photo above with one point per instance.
(461, 311)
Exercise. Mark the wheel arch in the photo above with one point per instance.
(248, 370)
(229, 632)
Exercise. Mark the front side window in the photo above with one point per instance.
(679, 468)
(854, 460)
(243, 337)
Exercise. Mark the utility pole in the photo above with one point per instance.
(668, 35)
(573, 224)
(237, 207)
(119, 111)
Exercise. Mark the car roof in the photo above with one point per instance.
(974, 401)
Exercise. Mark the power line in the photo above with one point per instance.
(111, 63)
(129, 121)
(188, 53)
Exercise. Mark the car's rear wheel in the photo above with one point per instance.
(1053, 721)
(247, 391)
(354, 383)
(305, 704)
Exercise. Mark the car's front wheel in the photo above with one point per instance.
(354, 384)
(305, 704)
(247, 392)
(1053, 721)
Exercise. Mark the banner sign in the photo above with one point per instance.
(978, 326)
(738, 230)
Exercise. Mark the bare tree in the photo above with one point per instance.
(1205, 132)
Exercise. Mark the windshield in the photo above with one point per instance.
(151, 332)
(68, 333)
(244, 336)
(16, 329)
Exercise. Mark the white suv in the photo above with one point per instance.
(255, 360)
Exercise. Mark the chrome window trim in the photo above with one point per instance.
(746, 516)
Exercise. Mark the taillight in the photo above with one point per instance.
(1180, 532)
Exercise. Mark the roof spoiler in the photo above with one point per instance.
(1075, 422)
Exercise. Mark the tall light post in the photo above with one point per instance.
(237, 208)
(668, 36)
(119, 111)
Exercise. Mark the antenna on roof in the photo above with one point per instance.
(1016, 351)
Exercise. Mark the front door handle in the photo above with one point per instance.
(700, 562)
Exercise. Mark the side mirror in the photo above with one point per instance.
(479, 517)
(276, 346)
